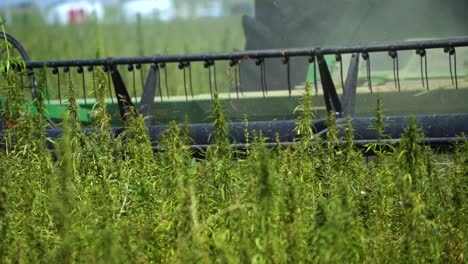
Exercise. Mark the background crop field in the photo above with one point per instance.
(46, 42)
(49, 42)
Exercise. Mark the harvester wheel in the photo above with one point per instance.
(15, 44)
(16, 50)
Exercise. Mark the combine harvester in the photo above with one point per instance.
(414, 75)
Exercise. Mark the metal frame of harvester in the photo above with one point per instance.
(439, 129)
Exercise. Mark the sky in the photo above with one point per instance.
(4, 3)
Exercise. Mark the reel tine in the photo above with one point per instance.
(107, 70)
(66, 69)
(209, 81)
(142, 75)
(315, 77)
(422, 72)
(55, 71)
(187, 64)
(93, 76)
(32, 82)
(40, 83)
(425, 69)
(398, 73)
(236, 76)
(394, 73)
(392, 55)
(366, 57)
(452, 53)
(447, 50)
(264, 77)
(131, 69)
(80, 71)
(185, 85)
(423, 63)
(43, 75)
(450, 66)
(207, 65)
(235, 83)
(139, 67)
(285, 60)
(312, 60)
(182, 67)
(159, 83)
(339, 59)
(46, 86)
(259, 62)
(396, 69)
(234, 64)
(214, 76)
(238, 82)
(455, 67)
(164, 66)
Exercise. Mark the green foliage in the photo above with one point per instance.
(378, 127)
(220, 136)
(304, 127)
(101, 198)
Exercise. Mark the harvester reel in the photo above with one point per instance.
(449, 125)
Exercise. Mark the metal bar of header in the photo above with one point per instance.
(254, 54)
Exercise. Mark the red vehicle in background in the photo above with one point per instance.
(74, 12)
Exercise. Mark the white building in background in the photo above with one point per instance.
(166, 10)
(211, 9)
(163, 10)
(66, 12)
